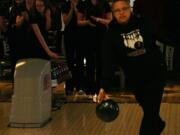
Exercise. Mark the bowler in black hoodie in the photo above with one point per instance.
(129, 44)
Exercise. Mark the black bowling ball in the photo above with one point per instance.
(107, 110)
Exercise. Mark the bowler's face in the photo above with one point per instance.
(121, 11)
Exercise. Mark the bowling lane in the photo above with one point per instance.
(80, 119)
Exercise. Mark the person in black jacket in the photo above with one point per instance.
(93, 16)
(129, 44)
(72, 47)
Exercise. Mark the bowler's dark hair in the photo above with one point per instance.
(114, 1)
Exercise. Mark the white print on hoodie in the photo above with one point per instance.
(134, 41)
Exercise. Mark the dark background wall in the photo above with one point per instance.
(162, 17)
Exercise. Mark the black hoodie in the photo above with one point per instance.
(132, 47)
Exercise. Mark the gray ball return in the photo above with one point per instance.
(31, 101)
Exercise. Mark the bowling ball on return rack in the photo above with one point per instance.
(107, 110)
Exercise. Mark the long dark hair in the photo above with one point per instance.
(46, 4)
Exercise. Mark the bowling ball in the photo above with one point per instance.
(107, 110)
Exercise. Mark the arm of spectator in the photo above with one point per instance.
(103, 20)
(19, 20)
(42, 41)
(81, 21)
(68, 16)
(48, 19)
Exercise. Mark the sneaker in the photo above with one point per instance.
(157, 128)
(81, 92)
(162, 125)
(55, 107)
